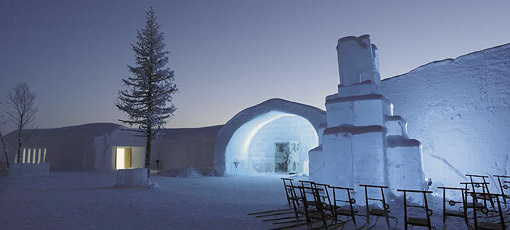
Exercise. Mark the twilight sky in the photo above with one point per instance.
(227, 55)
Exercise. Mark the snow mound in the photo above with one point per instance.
(188, 172)
(29, 170)
(132, 178)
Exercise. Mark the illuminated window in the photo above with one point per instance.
(34, 152)
(32, 156)
(28, 156)
(24, 152)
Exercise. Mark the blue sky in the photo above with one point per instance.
(227, 55)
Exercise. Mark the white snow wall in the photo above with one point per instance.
(68, 148)
(174, 148)
(460, 111)
(90, 147)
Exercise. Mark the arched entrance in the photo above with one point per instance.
(274, 136)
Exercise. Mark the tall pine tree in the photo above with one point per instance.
(148, 97)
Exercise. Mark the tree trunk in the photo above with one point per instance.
(5, 150)
(19, 145)
(148, 151)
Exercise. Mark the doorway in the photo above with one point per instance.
(287, 157)
(127, 157)
(123, 158)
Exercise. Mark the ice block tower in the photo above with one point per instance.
(363, 141)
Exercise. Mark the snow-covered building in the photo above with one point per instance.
(107, 147)
(459, 109)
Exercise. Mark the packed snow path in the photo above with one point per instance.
(84, 200)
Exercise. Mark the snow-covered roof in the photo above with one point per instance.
(448, 61)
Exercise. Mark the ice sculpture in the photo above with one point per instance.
(364, 142)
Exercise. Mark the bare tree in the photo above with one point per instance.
(21, 111)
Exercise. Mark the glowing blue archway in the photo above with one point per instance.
(249, 137)
(253, 144)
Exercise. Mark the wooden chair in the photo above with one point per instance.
(313, 206)
(417, 221)
(290, 199)
(377, 212)
(486, 224)
(330, 197)
(462, 211)
(307, 183)
(298, 207)
(477, 188)
(335, 199)
(283, 214)
(503, 185)
(286, 182)
(307, 205)
(481, 181)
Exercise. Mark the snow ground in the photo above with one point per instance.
(87, 200)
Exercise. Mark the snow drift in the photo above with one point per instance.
(187, 172)
(132, 178)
